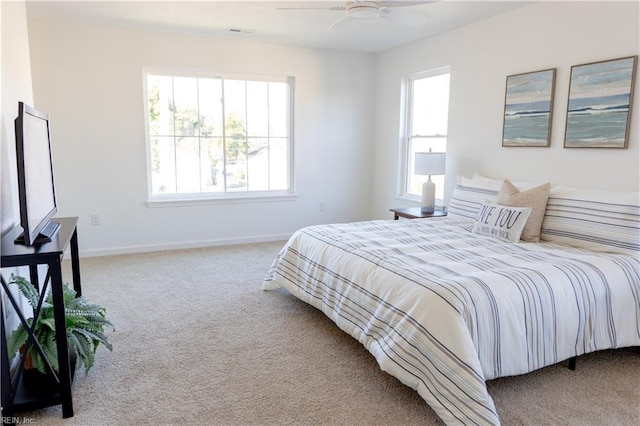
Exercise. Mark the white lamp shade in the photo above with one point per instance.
(429, 163)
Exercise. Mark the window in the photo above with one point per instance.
(216, 137)
(425, 126)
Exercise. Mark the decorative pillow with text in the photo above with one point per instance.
(502, 222)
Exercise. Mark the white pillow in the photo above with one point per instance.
(595, 220)
(468, 196)
(502, 222)
(470, 193)
(481, 181)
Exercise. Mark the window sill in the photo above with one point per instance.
(173, 201)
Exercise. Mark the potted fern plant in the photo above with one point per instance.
(85, 328)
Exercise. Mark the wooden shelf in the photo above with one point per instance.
(17, 393)
(36, 390)
(415, 213)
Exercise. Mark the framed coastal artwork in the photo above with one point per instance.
(528, 107)
(599, 107)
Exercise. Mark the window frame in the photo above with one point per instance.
(226, 197)
(406, 124)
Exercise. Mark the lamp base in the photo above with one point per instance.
(428, 203)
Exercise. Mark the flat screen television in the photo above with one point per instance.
(36, 188)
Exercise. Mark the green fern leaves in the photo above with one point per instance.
(85, 328)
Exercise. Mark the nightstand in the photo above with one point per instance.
(415, 213)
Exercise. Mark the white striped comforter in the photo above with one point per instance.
(443, 309)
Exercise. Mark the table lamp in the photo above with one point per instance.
(429, 163)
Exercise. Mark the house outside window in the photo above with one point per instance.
(217, 137)
(425, 120)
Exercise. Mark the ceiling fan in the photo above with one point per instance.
(372, 9)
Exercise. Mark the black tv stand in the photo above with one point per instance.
(15, 396)
(44, 236)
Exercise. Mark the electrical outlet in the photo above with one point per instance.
(95, 219)
(321, 206)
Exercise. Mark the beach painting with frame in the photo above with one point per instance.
(599, 107)
(528, 106)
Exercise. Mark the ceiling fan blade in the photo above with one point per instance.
(402, 3)
(403, 16)
(341, 8)
(310, 5)
(339, 23)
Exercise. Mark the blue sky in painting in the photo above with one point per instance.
(601, 79)
(531, 87)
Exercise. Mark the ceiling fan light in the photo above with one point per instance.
(363, 11)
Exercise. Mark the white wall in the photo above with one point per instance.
(16, 86)
(536, 37)
(88, 78)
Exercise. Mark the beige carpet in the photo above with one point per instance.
(198, 342)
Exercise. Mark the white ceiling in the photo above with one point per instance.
(266, 21)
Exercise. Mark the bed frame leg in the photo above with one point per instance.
(572, 363)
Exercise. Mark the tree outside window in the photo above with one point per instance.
(216, 136)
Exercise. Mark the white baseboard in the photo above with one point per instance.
(182, 245)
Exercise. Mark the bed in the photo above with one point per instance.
(444, 307)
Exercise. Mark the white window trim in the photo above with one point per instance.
(191, 199)
(405, 127)
(206, 199)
